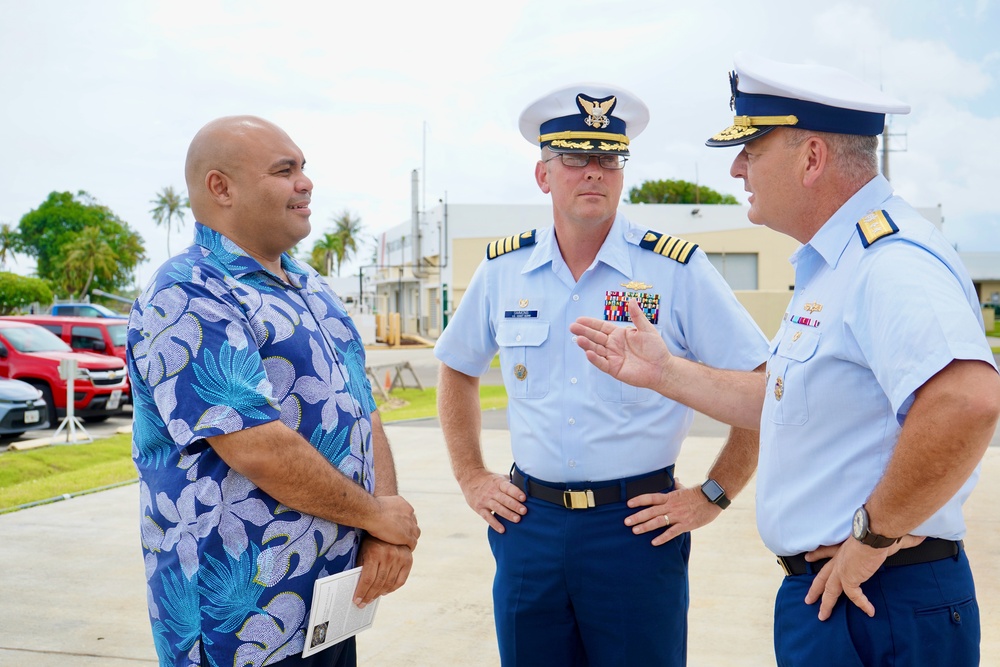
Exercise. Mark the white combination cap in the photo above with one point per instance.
(585, 118)
(767, 94)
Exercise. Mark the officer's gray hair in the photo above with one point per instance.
(855, 154)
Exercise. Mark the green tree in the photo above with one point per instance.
(88, 257)
(326, 249)
(19, 292)
(49, 232)
(677, 192)
(348, 230)
(169, 205)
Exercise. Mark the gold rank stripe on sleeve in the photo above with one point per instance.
(669, 246)
(505, 245)
(874, 226)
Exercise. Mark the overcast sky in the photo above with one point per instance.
(104, 96)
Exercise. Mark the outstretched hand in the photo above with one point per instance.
(636, 356)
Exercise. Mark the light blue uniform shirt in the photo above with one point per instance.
(864, 330)
(570, 422)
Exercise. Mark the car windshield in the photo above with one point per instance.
(119, 334)
(102, 311)
(34, 339)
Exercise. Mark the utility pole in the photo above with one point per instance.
(886, 148)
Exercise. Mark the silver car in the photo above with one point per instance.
(22, 408)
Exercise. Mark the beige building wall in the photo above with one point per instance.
(767, 308)
(774, 271)
(986, 290)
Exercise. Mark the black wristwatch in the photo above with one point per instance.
(715, 493)
(860, 532)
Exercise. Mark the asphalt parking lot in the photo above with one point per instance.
(117, 424)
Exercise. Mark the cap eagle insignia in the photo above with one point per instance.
(597, 111)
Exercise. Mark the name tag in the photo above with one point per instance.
(520, 313)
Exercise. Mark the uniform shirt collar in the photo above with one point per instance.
(615, 255)
(834, 236)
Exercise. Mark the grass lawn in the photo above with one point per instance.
(417, 404)
(51, 472)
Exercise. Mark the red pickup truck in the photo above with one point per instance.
(101, 335)
(32, 354)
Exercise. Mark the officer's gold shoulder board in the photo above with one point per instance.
(874, 226)
(668, 246)
(505, 245)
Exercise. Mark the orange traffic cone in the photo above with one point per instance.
(388, 382)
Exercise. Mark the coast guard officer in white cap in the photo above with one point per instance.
(591, 550)
(880, 396)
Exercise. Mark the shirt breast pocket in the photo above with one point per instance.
(614, 391)
(523, 359)
(787, 376)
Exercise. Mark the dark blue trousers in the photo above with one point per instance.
(925, 616)
(575, 588)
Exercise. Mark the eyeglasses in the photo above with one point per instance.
(583, 159)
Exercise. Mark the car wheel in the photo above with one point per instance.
(47, 395)
(96, 419)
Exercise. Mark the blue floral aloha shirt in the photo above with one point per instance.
(218, 344)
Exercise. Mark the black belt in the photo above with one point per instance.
(928, 551)
(609, 491)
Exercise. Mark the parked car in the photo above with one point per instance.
(85, 310)
(32, 354)
(22, 408)
(101, 335)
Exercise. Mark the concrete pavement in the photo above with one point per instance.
(73, 588)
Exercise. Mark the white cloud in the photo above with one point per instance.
(106, 96)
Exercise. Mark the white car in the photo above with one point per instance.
(22, 408)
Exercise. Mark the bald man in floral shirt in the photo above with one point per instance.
(263, 464)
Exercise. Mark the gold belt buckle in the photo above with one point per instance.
(578, 500)
(784, 566)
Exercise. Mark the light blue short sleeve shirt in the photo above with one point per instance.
(569, 421)
(866, 328)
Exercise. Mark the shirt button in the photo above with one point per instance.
(572, 380)
(576, 297)
(518, 337)
(571, 421)
(572, 463)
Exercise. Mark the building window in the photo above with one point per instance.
(738, 268)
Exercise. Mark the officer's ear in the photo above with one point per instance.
(815, 156)
(542, 176)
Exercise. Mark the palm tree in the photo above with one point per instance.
(169, 205)
(89, 255)
(8, 243)
(348, 228)
(326, 248)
